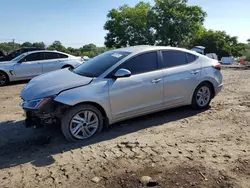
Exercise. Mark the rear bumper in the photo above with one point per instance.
(218, 89)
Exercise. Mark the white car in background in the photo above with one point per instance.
(31, 64)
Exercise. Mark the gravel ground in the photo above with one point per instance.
(176, 148)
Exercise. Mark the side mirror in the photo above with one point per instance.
(121, 73)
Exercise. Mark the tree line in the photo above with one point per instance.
(166, 22)
(89, 50)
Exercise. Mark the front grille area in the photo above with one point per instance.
(31, 120)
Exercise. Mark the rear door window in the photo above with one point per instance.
(142, 63)
(191, 58)
(62, 55)
(173, 58)
(51, 55)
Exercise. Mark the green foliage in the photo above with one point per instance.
(218, 42)
(174, 21)
(168, 22)
(89, 47)
(26, 44)
(9, 46)
(57, 45)
(89, 50)
(246, 51)
(35, 44)
(38, 44)
(129, 26)
(74, 51)
(93, 52)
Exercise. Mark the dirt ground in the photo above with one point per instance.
(177, 148)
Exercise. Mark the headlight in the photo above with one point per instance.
(35, 104)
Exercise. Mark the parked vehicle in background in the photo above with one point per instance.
(18, 52)
(199, 49)
(212, 56)
(31, 64)
(2, 53)
(227, 60)
(84, 58)
(119, 85)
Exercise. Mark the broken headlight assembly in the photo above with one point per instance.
(36, 103)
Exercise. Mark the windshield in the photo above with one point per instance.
(99, 64)
(18, 58)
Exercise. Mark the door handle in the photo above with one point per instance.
(155, 81)
(195, 72)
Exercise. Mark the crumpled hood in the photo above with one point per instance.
(52, 83)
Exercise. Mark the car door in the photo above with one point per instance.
(29, 66)
(141, 92)
(181, 75)
(52, 61)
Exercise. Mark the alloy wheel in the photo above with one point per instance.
(203, 96)
(84, 124)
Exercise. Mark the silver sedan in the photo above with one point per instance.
(31, 64)
(119, 85)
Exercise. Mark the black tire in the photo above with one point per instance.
(70, 113)
(195, 103)
(2, 82)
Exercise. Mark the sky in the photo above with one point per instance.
(79, 22)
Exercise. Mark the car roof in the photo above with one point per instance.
(25, 48)
(144, 48)
(53, 51)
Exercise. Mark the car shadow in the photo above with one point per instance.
(16, 83)
(235, 67)
(19, 145)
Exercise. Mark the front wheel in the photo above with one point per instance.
(202, 96)
(3, 79)
(81, 122)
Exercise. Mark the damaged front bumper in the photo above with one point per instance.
(49, 113)
(37, 119)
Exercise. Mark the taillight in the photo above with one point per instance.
(217, 66)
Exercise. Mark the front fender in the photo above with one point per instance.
(96, 92)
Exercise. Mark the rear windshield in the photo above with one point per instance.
(99, 64)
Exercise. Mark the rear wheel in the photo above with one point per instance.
(81, 122)
(202, 96)
(3, 78)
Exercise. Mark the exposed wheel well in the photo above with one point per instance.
(211, 85)
(67, 66)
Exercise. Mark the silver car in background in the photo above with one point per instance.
(31, 64)
(119, 85)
